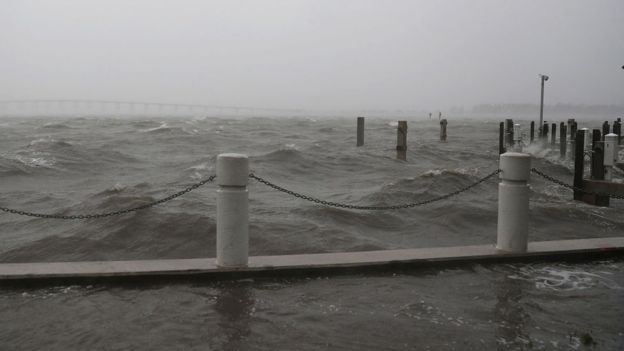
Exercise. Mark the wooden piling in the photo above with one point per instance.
(360, 131)
(605, 129)
(443, 124)
(553, 137)
(509, 133)
(570, 121)
(532, 131)
(597, 162)
(573, 130)
(597, 169)
(402, 141)
(617, 129)
(545, 133)
(501, 138)
(579, 164)
(563, 144)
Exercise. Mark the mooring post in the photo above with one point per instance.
(532, 133)
(501, 138)
(610, 154)
(545, 134)
(605, 129)
(232, 210)
(617, 129)
(517, 137)
(588, 139)
(443, 124)
(597, 168)
(579, 163)
(509, 133)
(563, 144)
(513, 202)
(360, 131)
(573, 129)
(597, 156)
(402, 141)
(553, 137)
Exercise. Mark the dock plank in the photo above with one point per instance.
(303, 262)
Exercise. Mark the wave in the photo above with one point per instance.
(14, 165)
(163, 127)
(283, 155)
(56, 154)
(565, 278)
(147, 234)
(56, 126)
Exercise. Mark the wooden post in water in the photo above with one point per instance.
(597, 168)
(597, 163)
(605, 129)
(545, 134)
(617, 129)
(443, 124)
(402, 141)
(509, 126)
(553, 138)
(532, 131)
(573, 130)
(579, 163)
(563, 144)
(360, 131)
(501, 138)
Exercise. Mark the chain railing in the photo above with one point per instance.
(356, 207)
(297, 195)
(572, 187)
(113, 213)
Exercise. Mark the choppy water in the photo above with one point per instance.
(96, 165)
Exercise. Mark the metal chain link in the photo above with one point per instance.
(114, 213)
(355, 207)
(572, 187)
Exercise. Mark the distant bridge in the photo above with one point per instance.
(43, 107)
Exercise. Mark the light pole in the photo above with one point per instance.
(544, 78)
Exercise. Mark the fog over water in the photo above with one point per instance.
(343, 55)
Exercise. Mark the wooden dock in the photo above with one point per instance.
(327, 263)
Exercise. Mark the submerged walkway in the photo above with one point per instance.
(301, 264)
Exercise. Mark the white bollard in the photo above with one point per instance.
(610, 154)
(232, 210)
(513, 202)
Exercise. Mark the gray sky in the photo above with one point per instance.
(324, 54)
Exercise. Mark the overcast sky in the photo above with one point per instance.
(324, 54)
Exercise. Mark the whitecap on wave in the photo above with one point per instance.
(162, 126)
(564, 278)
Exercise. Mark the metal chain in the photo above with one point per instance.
(572, 187)
(355, 207)
(114, 213)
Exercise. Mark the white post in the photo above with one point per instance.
(232, 210)
(610, 154)
(513, 202)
